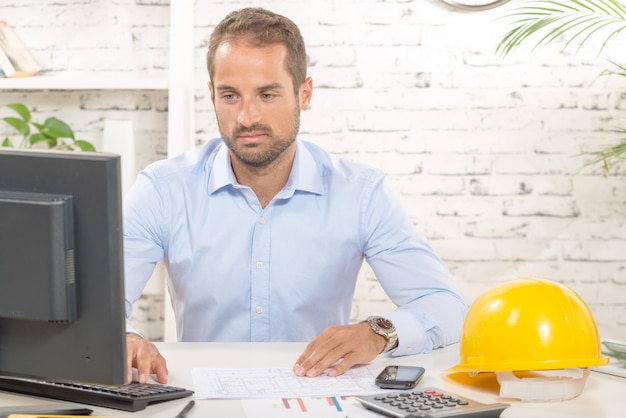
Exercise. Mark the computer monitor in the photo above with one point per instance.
(61, 266)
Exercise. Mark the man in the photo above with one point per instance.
(263, 234)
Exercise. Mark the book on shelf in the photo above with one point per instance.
(6, 68)
(19, 57)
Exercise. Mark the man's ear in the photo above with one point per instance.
(305, 93)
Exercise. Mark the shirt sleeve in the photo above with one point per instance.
(143, 246)
(430, 311)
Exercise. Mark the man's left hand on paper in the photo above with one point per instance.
(339, 346)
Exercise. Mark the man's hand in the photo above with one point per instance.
(352, 344)
(146, 358)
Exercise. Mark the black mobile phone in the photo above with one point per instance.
(399, 377)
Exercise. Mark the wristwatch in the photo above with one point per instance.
(383, 326)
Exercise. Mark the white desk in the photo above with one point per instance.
(604, 396)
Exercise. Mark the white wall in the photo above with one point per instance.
(480, 149)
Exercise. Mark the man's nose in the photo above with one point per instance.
(249, 114)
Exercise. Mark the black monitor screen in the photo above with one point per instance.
(61, 266)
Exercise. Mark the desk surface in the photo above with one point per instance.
(603, 396)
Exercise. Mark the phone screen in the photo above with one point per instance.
(408, 374)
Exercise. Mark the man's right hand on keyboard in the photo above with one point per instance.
(145, 357)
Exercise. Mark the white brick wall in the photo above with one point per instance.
(480, 149)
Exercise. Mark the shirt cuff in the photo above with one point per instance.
(130, 328)
(412, 337)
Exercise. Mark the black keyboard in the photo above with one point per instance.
(131, 397)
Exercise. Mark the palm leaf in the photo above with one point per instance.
(619, 70)
(576, 21)
(607, 157)
(542, 22)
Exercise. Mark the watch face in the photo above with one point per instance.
(384, 323)
(475, 4)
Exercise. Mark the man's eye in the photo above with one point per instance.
(268, 96)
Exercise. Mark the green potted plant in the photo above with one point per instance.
(579, 23)
(53, 133)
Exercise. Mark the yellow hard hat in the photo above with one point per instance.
(528, 324)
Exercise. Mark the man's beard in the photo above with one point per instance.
(249, 155)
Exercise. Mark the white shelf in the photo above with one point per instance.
(87, 81)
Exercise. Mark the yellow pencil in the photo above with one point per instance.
(54, 416)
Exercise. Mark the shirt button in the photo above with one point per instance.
(259, 264)
(409, 349)
(258, 309)
(261, 220)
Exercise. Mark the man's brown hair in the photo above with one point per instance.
(260, 27)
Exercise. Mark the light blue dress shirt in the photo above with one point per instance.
(239, 272)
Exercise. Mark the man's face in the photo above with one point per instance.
(257, 111)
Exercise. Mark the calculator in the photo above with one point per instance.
(430, 402)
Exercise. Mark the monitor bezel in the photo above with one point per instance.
(91, 349)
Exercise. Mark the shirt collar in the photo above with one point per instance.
(305, 173)
(220, 172)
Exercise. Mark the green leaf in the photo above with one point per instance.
(609, 156)
(592, 23)
(575, 21)
(56, 128)
(619, 70)
(56, 133)
(21, 110)
(85, 145)
(38, 138)
(20, 125)
(39, 126)
(53, 143)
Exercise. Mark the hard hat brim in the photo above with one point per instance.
(530, 365)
